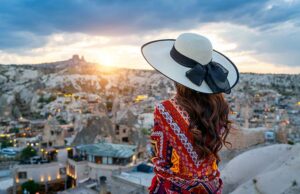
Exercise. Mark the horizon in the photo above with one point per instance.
(130, 68)
(258, 36)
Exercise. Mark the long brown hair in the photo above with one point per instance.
(208, 115)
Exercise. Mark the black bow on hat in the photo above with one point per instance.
(214, 74)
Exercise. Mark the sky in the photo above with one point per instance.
(258, 36)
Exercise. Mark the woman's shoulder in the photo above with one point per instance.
(161, 108)
(161, 103)
(164, 106)
(172, 106)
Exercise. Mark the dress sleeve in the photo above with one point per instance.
(160, 145)
(161, 151)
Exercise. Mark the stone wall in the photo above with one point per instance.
(243, 138)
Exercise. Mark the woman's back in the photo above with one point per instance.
(178, 167)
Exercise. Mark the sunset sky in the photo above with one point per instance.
(259, 36)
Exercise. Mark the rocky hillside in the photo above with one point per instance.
(74, 89)
(255, 170)
(25, 89)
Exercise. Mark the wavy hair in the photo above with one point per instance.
(208, 117)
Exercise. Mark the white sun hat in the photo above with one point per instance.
(191, 61)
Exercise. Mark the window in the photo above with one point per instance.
(90, 158)
(115, 160)
(104, 160)
(125, 139)
(22, 175)
(62, 171)
(44, 145)
(109, 160)
(98, 160)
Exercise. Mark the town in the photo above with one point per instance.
(78, 127)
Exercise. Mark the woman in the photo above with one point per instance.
(190, 128)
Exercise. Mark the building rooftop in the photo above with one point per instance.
(78, 190)
(108, 150)
(140, 178)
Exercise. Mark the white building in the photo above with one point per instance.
(102, 159)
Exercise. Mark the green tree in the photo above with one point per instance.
(145, 131)
(5, 142)
(28, 152)
(14, 130)
(30, 186)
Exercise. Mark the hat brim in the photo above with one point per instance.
(157, 54)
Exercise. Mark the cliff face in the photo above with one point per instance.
(95, 125)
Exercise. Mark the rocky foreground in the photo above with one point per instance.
(273, 169)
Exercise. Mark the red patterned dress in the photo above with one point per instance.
(176, 164)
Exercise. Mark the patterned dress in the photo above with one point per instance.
(176, 164)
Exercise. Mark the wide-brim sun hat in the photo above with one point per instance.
(190, 60)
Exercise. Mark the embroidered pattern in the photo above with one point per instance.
(188, 146)
(175, 161)
(161, 141)
(182, 112)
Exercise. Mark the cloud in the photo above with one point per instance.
(125, 51)
(19, 40)
(118, 17)
(32, 29)
(278, 45)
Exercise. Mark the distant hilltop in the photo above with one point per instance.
(76, 63)
(76, 60)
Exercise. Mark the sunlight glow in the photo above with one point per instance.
(125, 51)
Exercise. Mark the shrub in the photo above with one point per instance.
(27, 153)
(5, 142)
(14, 130)
(30, 186)
(290, 142)
(145, 131)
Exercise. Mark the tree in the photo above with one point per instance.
(5, 142)
(28, 152)
(30, 186)
(14, 130)
(145, 131)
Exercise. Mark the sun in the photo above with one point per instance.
(106, 60)
(102, 57)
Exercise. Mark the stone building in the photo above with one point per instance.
(246, 137)
(52, 134)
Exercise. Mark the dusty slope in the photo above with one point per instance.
(273, 169)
